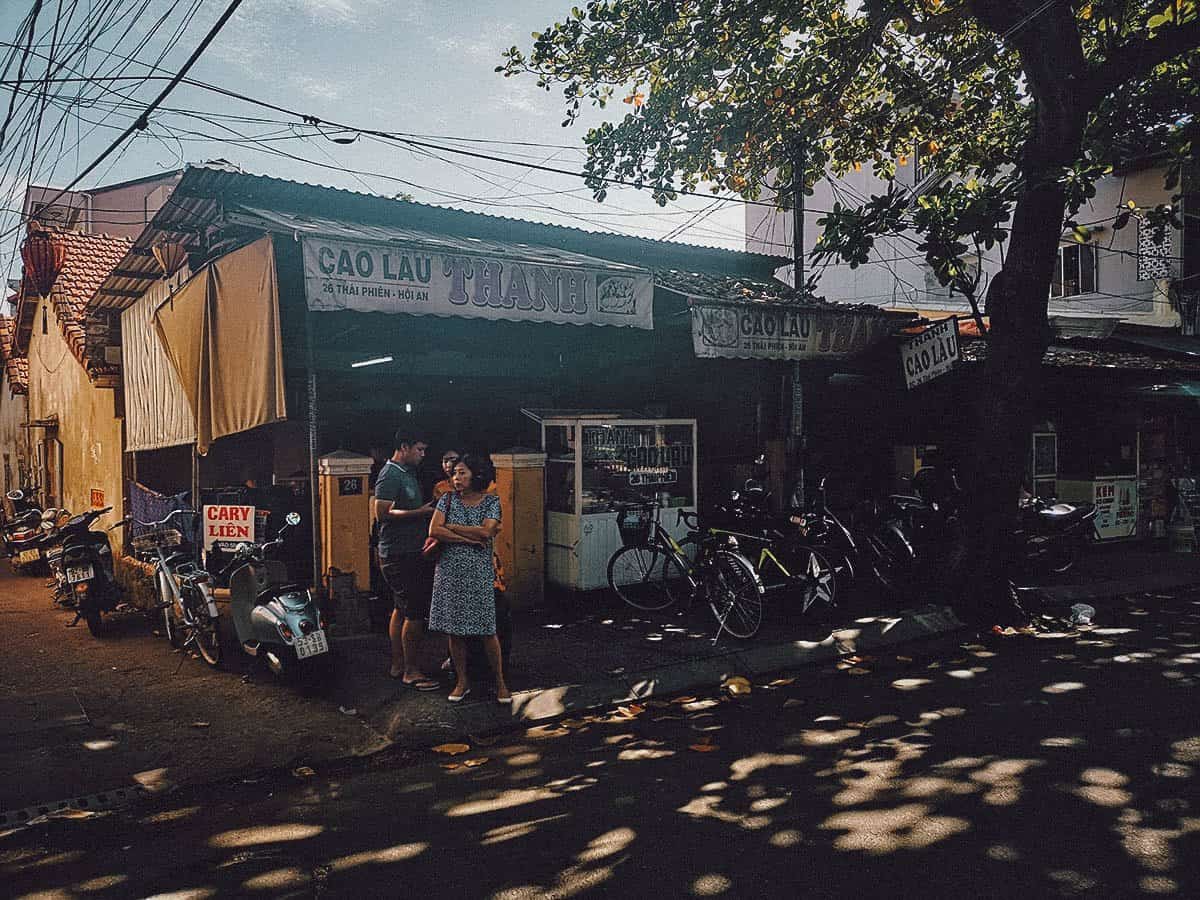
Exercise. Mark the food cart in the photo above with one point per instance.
(595, 463)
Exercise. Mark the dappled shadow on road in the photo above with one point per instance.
(1063, 766)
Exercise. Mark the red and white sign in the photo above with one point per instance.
(226, 526)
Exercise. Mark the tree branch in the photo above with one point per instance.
(1133, 61)
(929, 25)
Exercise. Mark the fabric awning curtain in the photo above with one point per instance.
(221, 333)
(157, 412)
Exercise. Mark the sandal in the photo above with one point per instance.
(424, 685)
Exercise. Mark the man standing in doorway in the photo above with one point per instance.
(403, 526)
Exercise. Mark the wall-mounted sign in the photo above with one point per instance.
(399, 279)
(763, 331)
(350, 485)
(1116, 502)
(931, 353)
(227, 525)
(97, 498)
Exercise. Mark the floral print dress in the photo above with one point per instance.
(464, 598)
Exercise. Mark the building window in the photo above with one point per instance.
(1154, 252)
(1075, 271)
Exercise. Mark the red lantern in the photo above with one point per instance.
(43, 255)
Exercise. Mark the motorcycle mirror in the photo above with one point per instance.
(15, 495)
(242, 549)
(293, 518)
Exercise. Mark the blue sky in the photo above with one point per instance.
(421, 67)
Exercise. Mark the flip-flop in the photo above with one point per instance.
(460, 698)
(424, 685)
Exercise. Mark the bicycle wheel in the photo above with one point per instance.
(734, 594)
(171, 624)
(647, 578)
(205, 634)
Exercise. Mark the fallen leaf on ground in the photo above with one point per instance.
(475, 761)
(452, 749)
(858, 670)
(632, 711)
(703, 747)
(572, 723)
(667, 719)
(451, 765)
(681, 700)
(792, 702)
(485, 741)
(905, 659)
(200, 724)
(782, 682)
(657, 704)
(304, 772)
(737, 686)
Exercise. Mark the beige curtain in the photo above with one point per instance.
(221, 333)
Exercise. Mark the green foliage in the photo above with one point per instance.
(730, 95)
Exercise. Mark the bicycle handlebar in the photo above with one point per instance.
(160, 522)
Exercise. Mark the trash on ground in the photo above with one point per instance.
(201, 724)
(348, 710)
(1082, 614)
(304, 772)
(737, 686)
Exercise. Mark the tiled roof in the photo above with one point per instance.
(739, 289)
(90, 258)
(1095, 357)
(15, 367)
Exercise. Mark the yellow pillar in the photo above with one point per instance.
(521, 544)
(345, 502)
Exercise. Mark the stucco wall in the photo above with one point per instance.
(88, 429)
(897, 275)
(124, 210)
(12, 436)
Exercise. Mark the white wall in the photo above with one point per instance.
(893, 277)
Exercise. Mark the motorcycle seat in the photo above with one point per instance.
(1062, 515)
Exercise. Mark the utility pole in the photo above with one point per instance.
(795, 436)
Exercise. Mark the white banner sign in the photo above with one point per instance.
(931, 353)
(398, 279)
(744, 331)
(1116, 507)
(226, 526)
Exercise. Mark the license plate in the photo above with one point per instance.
(79, 573)
(312, 644)
(25, 557)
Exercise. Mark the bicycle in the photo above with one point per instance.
(190, 616)
(652, 570)
(787, 566)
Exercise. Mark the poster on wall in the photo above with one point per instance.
(729, 330)
(365, 277)
(226, 525)
(930, 354)
(1116, 502)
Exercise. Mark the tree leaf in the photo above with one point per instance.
(452, 749)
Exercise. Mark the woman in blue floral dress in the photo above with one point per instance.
(464, 600)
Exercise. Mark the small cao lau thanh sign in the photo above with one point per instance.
(931, 353)
(227, 525)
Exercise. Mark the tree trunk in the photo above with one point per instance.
(1016, 306)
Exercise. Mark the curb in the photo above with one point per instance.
(532, 707)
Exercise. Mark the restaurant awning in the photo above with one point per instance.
(391, 269)
(739, 318)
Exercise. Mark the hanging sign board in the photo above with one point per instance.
(1116, 507)
(407, 279)
(227, 525)
(931, 353)
(731, 330)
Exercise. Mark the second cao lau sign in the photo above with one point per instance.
(931, 353)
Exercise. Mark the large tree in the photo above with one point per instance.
(1023, 104)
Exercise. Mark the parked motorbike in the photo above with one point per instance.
(1053, 535)
(21, 535)
(278, 622)
(88, 564)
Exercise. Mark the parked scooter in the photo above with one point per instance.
(88, 564)
(274, 620)
(22, 533)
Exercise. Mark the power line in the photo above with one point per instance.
(143, 120)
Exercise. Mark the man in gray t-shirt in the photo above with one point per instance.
(403, 526)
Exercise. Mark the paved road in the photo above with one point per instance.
(1054, 767)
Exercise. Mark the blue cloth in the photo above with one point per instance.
(464, 593)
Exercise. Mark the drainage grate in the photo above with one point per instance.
(98, 802)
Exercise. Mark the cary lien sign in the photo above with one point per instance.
(397, 279)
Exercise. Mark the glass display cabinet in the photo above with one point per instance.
(595, 463)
